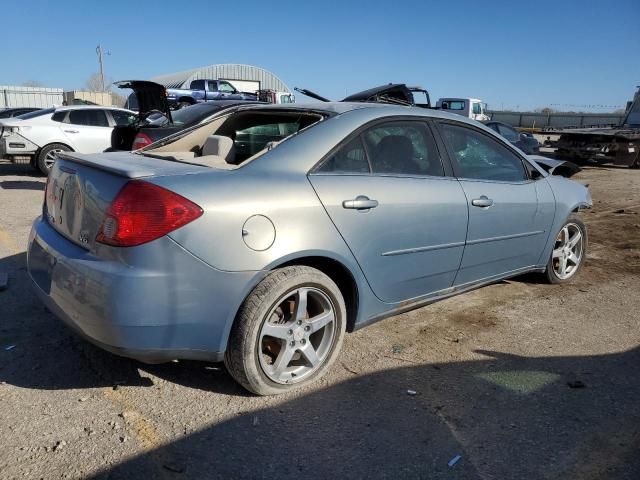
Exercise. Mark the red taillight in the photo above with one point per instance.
(142, 212)
(141, 140)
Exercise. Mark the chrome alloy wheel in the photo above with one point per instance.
(50, 157)
(297, 335)
(568, 251)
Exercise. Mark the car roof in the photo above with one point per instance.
(88, 107)
(375, 108)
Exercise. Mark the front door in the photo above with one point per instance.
(506, 231)
(403, 219)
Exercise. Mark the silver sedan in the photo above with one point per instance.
(260, 237)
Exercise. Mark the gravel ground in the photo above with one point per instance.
(521, 379)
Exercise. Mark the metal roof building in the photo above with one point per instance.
(243, 77)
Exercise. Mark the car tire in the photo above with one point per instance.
(561, 268)
(272, 365)
(45, 158)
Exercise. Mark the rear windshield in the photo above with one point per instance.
(37, 113)
(251, 132)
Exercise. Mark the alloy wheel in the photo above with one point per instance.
(568, 251)
(297, 335)
(50, 157)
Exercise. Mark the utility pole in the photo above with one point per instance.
(100, 52)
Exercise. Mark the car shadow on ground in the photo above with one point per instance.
(24, 170)
(506, 416)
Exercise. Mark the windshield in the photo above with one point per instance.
(37, 113)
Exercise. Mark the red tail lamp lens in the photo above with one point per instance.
(142, 212)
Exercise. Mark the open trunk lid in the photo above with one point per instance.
(150, 95)
(80, 189)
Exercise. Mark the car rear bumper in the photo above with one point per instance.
(180, 308)
(16, 145)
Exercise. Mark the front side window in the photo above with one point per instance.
(478, 156)
(406, 148)
(92, 118)
(226, 87)
(477, 110)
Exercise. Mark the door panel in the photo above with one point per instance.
(505, 236)
(506, 230)
(411, 243)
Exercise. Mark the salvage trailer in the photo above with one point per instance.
(619, 145)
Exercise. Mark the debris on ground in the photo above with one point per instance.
(397, 349)
(576, 384)
(173, 467)
(59, 444)
(454, 460)
(9, 347)
(412, 393)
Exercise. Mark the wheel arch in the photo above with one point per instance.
(339, 273)
(55, 142)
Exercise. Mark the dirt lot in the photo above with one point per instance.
(521, 379)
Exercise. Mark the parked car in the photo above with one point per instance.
(206, 91)
(524, 141)
(261, 236)
(155, 118)
(39, 136)
(15, 112)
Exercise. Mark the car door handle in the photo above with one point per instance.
(71, 131)
(361, 202)
(483, 201)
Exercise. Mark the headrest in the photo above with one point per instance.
(219, 146)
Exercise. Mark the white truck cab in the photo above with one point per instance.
(467, 107)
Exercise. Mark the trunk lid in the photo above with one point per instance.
(150, 95)
(81, 188)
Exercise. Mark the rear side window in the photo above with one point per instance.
(406, 148)
(351, 158)
(453, 105)
(477, 156)
(92, 118)
(59, 116)
(508, 133)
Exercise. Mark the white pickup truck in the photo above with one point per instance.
(467, 107)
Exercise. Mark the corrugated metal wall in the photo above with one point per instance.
(556, 120)
(229, 71)
(35, 97)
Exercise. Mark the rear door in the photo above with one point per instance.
(405, 221)
(507, 230)
(88, 130)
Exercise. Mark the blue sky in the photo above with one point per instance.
(509, 53)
